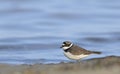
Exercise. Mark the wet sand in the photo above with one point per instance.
(105, 65)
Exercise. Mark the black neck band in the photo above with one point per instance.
(67, 50)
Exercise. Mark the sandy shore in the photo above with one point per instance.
(105, 65)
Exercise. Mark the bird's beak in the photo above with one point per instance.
(62, 46)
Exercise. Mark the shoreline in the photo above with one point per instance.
(109, 64)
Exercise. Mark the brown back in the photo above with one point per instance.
(76, 50)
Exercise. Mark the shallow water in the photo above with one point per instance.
(31, 31)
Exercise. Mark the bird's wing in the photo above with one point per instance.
(76, 50)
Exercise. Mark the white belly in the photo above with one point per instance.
(74, 57)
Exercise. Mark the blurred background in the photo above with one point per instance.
(31, 31)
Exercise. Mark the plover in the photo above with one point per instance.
(75, 52)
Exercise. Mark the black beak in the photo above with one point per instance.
(62, 46)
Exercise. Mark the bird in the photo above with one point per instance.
(75, 52)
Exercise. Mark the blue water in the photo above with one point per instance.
(31, 31)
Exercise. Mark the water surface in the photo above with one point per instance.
(31, 31)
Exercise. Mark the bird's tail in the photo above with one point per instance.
(96, 52)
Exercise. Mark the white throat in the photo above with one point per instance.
(67, 47)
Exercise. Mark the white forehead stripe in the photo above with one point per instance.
(63, 44)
